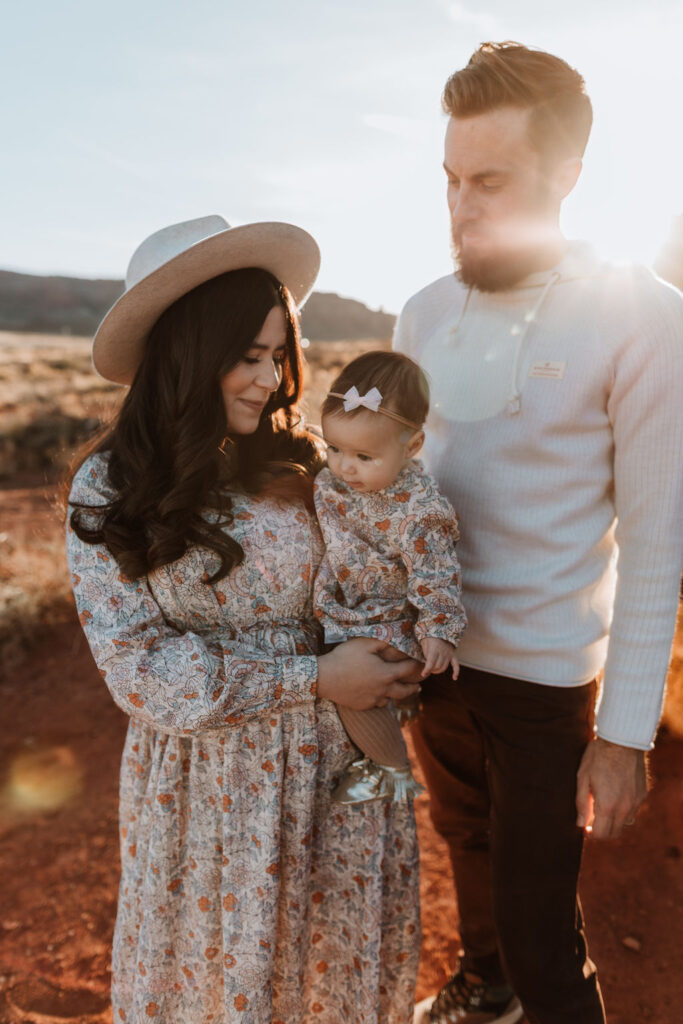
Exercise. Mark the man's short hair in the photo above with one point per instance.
(511, 75)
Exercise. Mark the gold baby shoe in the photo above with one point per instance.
(365, 780)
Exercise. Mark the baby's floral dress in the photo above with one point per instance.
(390, 568)
(245, 895)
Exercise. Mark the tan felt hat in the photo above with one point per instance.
(176, 259)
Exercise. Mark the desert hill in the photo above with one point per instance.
(74, 305)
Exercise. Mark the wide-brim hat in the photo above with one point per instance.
(176, 259)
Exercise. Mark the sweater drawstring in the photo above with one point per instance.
(454, 330)
(514, 404)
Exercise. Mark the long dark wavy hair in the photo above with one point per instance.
(167, 460)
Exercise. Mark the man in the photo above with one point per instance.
(556, 433)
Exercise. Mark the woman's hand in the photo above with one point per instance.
(354, 674)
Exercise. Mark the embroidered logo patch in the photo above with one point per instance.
(548, 371)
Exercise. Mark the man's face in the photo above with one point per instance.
(504, 205)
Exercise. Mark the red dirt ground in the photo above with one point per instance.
(59, 865)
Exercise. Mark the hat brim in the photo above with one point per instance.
(288, 252)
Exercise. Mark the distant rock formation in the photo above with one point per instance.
(54, 305)
(74, 305)
(328, 317)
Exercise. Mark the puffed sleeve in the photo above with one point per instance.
(177, 682)
(428, 537)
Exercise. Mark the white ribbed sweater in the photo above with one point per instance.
(556, 431)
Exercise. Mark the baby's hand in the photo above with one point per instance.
(439, 654)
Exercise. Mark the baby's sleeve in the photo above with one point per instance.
(178, 682)
(428, 537)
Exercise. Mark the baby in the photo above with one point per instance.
(390, 570)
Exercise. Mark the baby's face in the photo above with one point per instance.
(367, 451)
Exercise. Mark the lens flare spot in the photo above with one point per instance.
(44, 780)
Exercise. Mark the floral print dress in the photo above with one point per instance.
(390, 568)
(245, 894)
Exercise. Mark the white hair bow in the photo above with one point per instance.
(353, 400)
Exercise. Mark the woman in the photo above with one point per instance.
(245, 896)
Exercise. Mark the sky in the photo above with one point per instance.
(120, 118)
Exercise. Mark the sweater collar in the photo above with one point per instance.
(402, 482)
(579, 260)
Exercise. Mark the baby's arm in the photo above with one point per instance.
(428, 537)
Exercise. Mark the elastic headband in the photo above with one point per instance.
(372, 401)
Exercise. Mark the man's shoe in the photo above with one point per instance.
(468, 999)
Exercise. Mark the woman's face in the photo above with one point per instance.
(249, 385)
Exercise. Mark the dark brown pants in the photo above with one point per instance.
(500, 757)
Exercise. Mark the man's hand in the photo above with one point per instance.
(611, 786)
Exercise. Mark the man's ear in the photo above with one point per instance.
(415, 444)
(566, 175)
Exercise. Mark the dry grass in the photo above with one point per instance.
(50, 400)
(324, 360)
(35, 590)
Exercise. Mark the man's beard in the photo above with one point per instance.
(502, 267)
